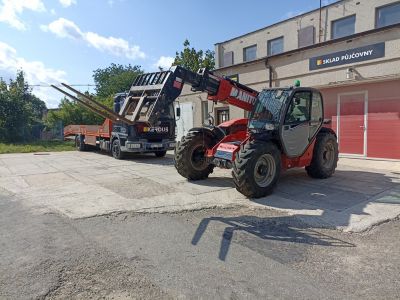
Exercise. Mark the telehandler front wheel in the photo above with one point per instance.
(190, 160)
(256, 169)
(325, 156)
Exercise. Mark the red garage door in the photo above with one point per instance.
(384, 128)
(352, 123)
(366, 118)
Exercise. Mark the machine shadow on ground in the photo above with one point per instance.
(339, 198)
(275, 230)
(345, 194)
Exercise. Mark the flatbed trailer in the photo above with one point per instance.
(92, 133)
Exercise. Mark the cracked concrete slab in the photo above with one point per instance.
(362, 193)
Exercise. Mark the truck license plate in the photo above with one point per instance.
(156, 146)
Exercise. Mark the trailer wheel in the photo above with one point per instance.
(256, 169)
(160, 153)
(325, 156)
(116, 149)
(80, 143)
(190, 161)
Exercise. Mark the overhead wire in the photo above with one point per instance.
(48, 85)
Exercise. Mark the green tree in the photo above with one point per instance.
(20, 110)
(115, 79)
(70, 112)
(193, 59)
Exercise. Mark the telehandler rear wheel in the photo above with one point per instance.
(325, 156)
(190, 160)
(256, 169)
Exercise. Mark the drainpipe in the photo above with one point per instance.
(320, 21)
(269, 67)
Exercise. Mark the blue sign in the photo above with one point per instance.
(348, 56)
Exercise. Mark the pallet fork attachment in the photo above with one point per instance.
(92, 104)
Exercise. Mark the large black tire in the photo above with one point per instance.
(116, 150)
(80, 143)
(190, 161)
(256, 169)
(160, 153)
(325, 156)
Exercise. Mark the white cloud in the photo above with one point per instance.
(11, 9)
(116, 46)
(35, 73)
(64, 28)
(67, 3)
(164, 62)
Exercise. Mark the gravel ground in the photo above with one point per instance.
(214, 253)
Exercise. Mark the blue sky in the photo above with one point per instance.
(65, 40)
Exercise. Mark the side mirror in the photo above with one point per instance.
(178, 111)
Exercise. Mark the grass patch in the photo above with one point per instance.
(38, 146)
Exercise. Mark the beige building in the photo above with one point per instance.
(350, 50)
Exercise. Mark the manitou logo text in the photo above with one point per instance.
(242, 96)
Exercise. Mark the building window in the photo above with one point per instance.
(250, 53)
(222, 115)
(228, 59)
(306, 36)
(275, 46)
(343, 27)
(387, 15)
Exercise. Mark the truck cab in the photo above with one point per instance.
(143, 137)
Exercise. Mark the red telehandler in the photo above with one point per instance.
(284, 130)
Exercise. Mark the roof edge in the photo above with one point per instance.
(318, 45)
(280, 22)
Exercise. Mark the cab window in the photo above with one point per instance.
(299, 108)
(316, 114)
(316, 108)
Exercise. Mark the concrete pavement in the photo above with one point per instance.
(76, 226)
(361, 194)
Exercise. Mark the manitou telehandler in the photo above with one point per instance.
(284, 130)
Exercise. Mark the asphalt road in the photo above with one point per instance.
(230, 254)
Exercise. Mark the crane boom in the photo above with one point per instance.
(169, 84)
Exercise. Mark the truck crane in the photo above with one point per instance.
(284, 129)
(132, 126)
